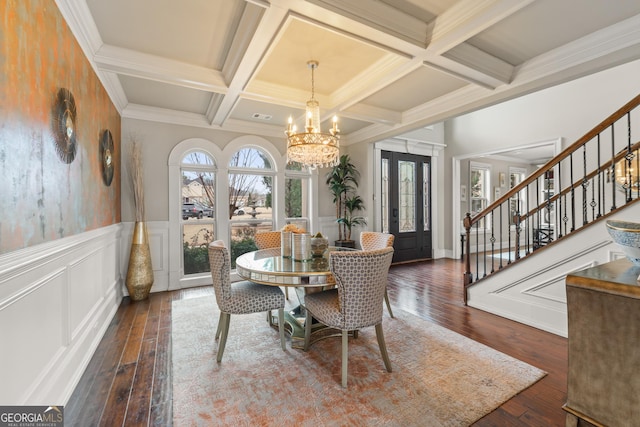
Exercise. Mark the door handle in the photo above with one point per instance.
(395, 212)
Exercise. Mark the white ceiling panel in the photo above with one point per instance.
(421, 86)
(162, 95)
(192, 31)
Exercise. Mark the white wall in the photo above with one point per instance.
(56, 301)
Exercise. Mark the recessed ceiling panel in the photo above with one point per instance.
(340, 58)
(547, 24)
(346, 125)
(195, 31)
(423, 85)
(162, 95)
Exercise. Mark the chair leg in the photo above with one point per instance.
(281, 327)
(345, 357)
(286, 292)
(383, 347)
(223, 338)
(307, 330)
(220, 320)
(386, 299)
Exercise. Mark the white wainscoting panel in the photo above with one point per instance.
(56, 301)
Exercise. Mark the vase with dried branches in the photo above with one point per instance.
(140, 272)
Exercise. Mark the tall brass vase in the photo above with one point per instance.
(140, 273)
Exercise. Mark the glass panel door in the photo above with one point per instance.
(406, 204)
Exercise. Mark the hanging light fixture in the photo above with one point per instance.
(313, 148)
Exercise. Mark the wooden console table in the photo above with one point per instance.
(603, 305)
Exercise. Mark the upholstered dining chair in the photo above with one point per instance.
(370, 240)
(270, 239)
(356, 302)
(240, 297)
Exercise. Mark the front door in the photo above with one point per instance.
(406, 204)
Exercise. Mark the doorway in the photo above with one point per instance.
(406, 204)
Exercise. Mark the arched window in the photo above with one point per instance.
(244, 184)
(198, 220)
(252, 193)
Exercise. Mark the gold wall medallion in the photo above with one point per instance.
(64, 125)
(106, 156)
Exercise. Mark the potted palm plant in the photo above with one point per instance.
(342, 181)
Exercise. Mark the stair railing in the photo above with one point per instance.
(589, 180)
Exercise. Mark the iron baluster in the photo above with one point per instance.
(629, 157)
(585, 184)
(573, 195)
(600, 181)
(484, 252)
(493, 240)
(558, 201)
(612, 176)
(500, 234)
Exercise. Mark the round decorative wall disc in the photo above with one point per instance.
(106, 156)
(64, 125)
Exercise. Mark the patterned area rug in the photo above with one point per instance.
(439, 378)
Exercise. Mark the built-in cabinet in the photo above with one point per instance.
(603, 305)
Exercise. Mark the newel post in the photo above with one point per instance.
(468, 277)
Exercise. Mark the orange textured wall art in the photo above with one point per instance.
(42, 196)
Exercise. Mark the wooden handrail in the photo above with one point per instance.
(604, 167)
(562, 155)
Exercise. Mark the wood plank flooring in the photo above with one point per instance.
(128, 380)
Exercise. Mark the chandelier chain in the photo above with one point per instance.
(313, 66)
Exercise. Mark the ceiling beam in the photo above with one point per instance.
(152, 67)
(381, 16)
(466, 19)
(266, 30)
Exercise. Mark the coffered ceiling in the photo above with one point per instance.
(385, 66)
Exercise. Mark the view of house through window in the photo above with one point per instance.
(198, 213)
(251, 193)
(296, 196)
(251, 181)
(517, 204)
(480, 183)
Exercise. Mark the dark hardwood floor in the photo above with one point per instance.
(128, 380)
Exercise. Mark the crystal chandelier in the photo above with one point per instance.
(313, 148)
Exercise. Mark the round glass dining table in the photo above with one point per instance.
(269, 267)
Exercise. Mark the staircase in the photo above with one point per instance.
(520, 248)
